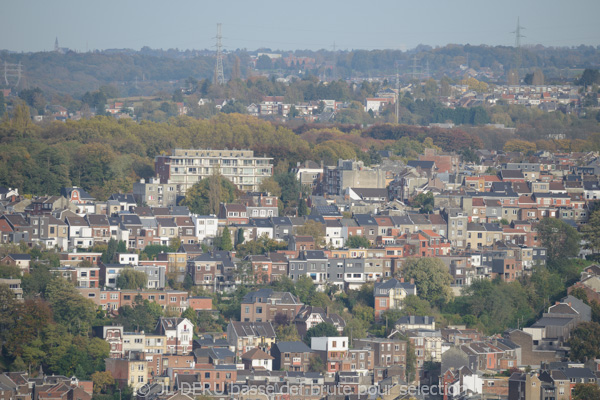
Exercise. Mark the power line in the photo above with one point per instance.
(219, 75)
(12, 71)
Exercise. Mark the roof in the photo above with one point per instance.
(257, 329)
(415, 320)
(256, 354)
(268, 295)
(293, 347)
(421, 164)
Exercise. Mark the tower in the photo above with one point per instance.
(12, 71)
(56, 47)
(518, 37)
(219, 78)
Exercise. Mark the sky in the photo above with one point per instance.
(82, 25)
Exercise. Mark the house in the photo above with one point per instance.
(257, 359)
(309, 317)
(76, 195)
(179, 333)
(244, 336)
(332, 350)
(410, 322)
(132, 370)
(390, 294)
(22, 261)
(291, 356)
(266, 305)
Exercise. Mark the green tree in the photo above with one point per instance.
(225, 242)
(190, 314)
(129, 278)
(240, 236)
(305, 289)
(355, 329)
(316, 364)
(70, 308)
(320, 330)
(302, 208)
(358, 242)
(9, 310)
(585, 342)
(591, 232)
(431, 277)
(559, 238)
(2, 105)
(586, 391)
(205, 196)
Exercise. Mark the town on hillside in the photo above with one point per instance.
(436, 277)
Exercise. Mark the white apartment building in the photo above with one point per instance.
(185, 167)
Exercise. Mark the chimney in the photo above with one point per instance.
(412, 281)
(327, 311)
(401, 280)
(412, 319)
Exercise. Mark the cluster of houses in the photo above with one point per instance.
(481, 224)
(250, 355)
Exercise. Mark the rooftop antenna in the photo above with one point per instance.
(219, 78)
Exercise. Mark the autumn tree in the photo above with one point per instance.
(559, 238)
(585, 342)
(314, 229)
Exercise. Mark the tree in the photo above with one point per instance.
(559, 238)
(586, 391)
(102, 381)
(9, 307)
(589, 77)
(129, 278)
(522, 146)
(270, 186)
(585, 342)
(355, 329)
(320, 330)
(225, 242)
(240, 236)
(302, 208)
(591, 232)
(70, 308)
(205, 196)
(190, 314)
(358, 242)
(315, 364)
(431, 277)
(2, 105)
(287, 333)
(314, 229)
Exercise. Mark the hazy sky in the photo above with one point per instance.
(28, 25)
